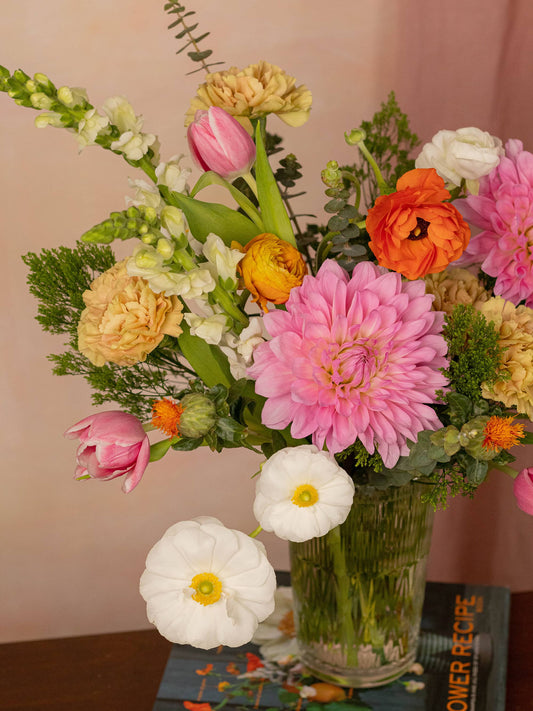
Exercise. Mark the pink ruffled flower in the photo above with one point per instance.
(353, 358)
(112, 444)
(523, 490)
(504, 212)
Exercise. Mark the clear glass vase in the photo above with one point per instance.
(359, 590)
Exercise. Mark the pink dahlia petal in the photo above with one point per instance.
(353, 358)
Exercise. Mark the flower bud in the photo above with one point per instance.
(219, 143)
(173, 220)
(198, 416)
(41, 101)
(331, 175)
(48, 118)
(472, 437)
(165, 248)
(356, 135)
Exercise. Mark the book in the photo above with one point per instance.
(462, 649)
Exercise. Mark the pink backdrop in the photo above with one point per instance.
(71, 553)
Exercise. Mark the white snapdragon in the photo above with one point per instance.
(188, 285)
(146, 194)
(468, 153)
(207, 585)
(172, 175)
(173, 220)
(48, 118)
(223, 259)
(239, 350)
(71, 96)
(210, 328)
(133, 145)
(89, 127)
(121, 114)
(302, 493)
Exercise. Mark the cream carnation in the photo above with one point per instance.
(302, 493)
(124, 319)
(515, 327)
(255, 91)
(207, 585)
(455, 286)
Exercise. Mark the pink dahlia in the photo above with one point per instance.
(353, 358)
(504, 211)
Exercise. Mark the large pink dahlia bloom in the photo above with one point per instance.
(504, 211)
(353, 358)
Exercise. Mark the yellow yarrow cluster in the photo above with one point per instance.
(124, 319)
(255, 91)
(514, 325)
(455, 286)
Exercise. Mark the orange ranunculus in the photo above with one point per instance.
(413, 231)
(270, 268)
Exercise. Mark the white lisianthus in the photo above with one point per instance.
(239, 350)
(89, 127)
(468, 153)
(145, 194)
(302, 493)
(210, 329)
(121, 114)
(133, 145)
(172, 175)
(276, 636)
(207, 585)
(223, 259)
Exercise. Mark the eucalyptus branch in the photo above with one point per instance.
(173, 7)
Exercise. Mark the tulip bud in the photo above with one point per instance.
(219, 143)
(198, 416)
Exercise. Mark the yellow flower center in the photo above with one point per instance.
(501, 433)
(207, 588)
(305, 495)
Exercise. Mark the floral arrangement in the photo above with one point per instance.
(357, 352)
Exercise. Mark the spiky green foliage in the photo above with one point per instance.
(473, 351)
(136, 222)
(188, 33)
(58, 278)
(390, 141)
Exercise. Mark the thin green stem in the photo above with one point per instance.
(250, 181)
(344, 600)
(256, 532)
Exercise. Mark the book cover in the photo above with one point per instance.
(462, 649)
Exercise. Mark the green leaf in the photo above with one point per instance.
(207, 361)
(207, 217)
(275, 217)
(159, 449)
(186, 444)
(476, 471)
(210, 178)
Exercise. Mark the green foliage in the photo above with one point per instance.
(390, 141)
(446, 481)
(58, 277)
(195, 54)
(473, 350)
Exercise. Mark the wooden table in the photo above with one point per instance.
(121, 672)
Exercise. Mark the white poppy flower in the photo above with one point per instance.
(276, 636)
(302, 493)
(207, 585)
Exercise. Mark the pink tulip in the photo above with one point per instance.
(523, 490)
(219, 143)
(112, 444)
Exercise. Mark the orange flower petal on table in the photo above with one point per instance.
(412, 230)
(191, 706)
(254, 662)
(205, 671)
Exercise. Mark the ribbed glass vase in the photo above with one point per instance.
(359, 589)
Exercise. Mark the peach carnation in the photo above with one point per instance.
(124, 319)
(455, 286)
(515, 327)
(255, 91)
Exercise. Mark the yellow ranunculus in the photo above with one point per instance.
(252, 92)
(124, 319)
(270, 268)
